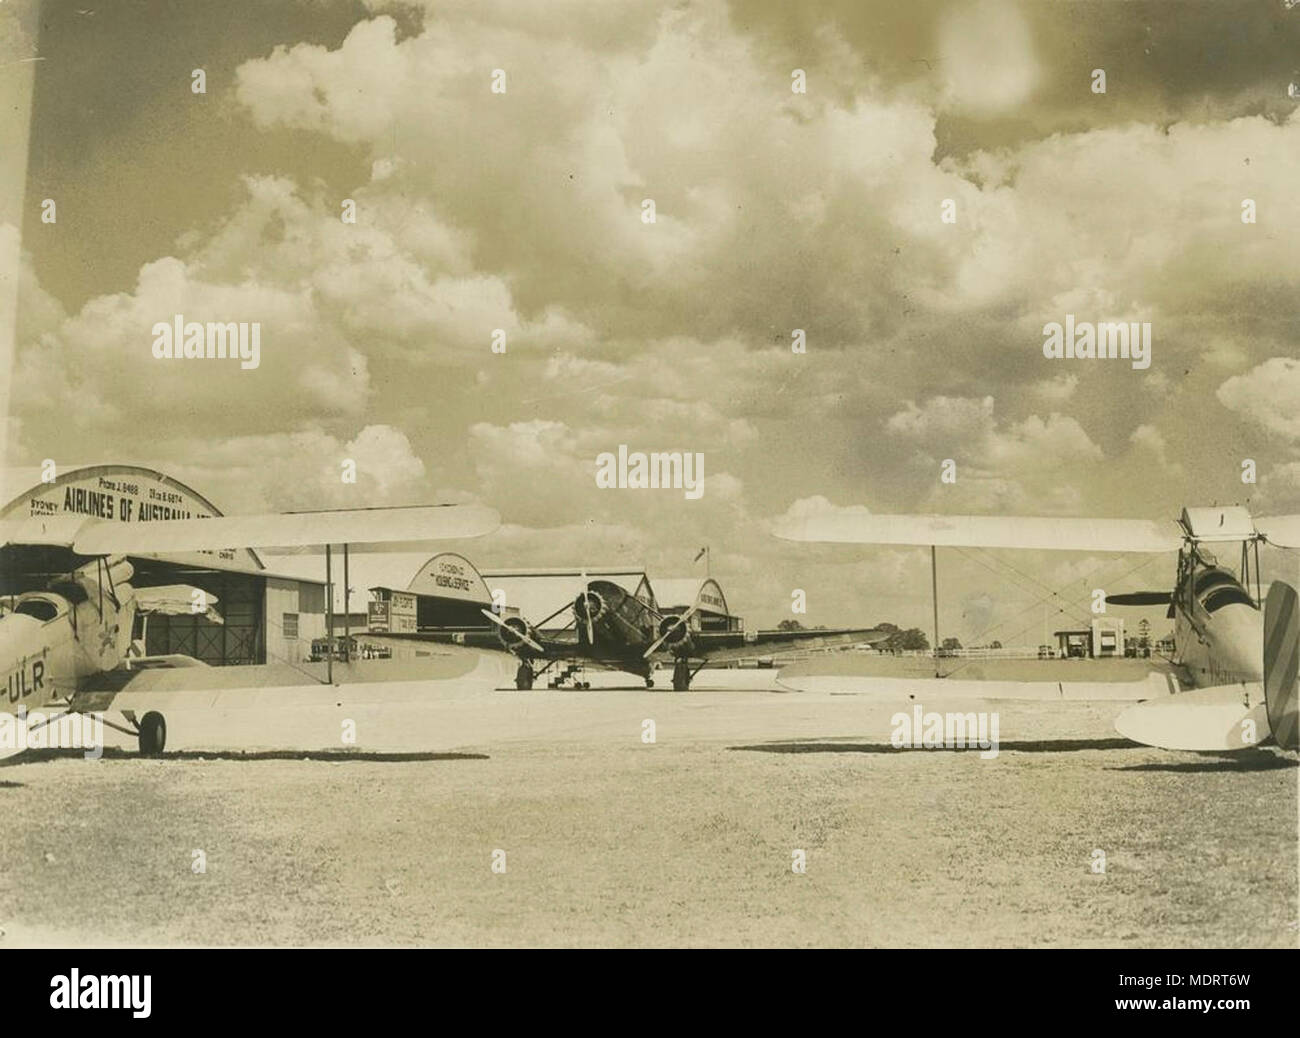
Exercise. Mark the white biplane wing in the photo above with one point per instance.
(1281, 530)
(984, 531)
(362, 529)
(1224, 717)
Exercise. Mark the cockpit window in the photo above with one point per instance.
(1229, 595)
(1213, 577)
(38, 608)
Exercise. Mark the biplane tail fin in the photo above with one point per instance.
(1282, 662)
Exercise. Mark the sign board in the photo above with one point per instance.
(449, 575)
(124, 494)
(401, 613)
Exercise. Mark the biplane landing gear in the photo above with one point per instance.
(150, 731)
(153, 734)
(681, 675)
(524, 677)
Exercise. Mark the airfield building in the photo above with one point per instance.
(268, 617)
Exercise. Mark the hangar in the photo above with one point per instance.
(704, 595)
(268, 617)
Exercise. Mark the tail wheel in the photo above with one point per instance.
(153, 734)
(524, 677)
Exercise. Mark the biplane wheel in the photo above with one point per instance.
(524, 677)
(153, 734)
(649, 682)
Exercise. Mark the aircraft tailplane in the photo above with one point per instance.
(1282, 662)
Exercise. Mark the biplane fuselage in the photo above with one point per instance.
(1218, 630)
(50, 644)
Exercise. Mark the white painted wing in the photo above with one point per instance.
(985, 531)
(923, 689)
(1225, 717)
(58, 531)
(176, 600)
(1282, 530)
(363, 529)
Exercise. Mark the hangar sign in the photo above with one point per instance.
(449, 575)
(128, 498)
(124, 494)
(394, 614)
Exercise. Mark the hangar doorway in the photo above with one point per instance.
(237, 642)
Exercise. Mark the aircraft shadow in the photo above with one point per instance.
(1033, 746)
(13, 785)
(1256, 760)
(115, 753)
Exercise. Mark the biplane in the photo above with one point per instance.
(59, 643)
(1236, 650)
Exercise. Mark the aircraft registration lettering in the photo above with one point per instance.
(28, 678)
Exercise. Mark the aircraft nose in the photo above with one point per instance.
(589, 605)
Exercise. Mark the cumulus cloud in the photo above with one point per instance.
(1268, 395)
(987, 57)
(775, 211)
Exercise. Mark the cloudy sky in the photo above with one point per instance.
(775, 211)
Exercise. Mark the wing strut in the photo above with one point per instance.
(934, 598)
(329, 620)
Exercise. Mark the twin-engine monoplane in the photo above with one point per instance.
(610, 628)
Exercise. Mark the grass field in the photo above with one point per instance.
(610, 840)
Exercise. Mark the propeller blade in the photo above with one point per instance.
(591, 631)
(654, 646)
(1141, 598)
(523, 637)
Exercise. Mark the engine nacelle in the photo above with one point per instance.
(675, 632)
(515, 631)
(589, 605)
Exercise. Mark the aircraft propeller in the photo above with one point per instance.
(589, 608)
(1141, 598)
(668, 632)
(523, 635)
